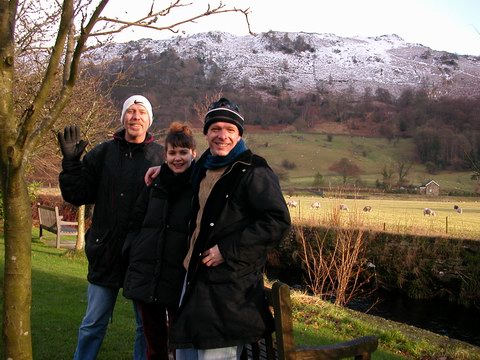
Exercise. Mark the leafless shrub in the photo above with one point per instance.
(335, 262)
(289, 165)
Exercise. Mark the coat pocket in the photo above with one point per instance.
(225, 273)
(137, 286)
(96, 245)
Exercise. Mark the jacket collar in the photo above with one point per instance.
(199, 170)
(245, 157)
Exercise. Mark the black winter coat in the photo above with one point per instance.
(111, 176)
(158, 240)
(245, 215)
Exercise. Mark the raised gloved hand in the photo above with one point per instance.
(70, 143)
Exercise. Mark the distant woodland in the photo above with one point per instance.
(446, 131)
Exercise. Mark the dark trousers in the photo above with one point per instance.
(157, 319)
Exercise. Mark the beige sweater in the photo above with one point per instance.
(206, 186)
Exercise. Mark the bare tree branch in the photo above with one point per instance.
(32, 113)
(151, 20)
(74, 71)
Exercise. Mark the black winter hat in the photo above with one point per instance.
(223, 110)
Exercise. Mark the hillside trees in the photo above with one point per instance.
(387, 176)
(346, 169)
(318, 180)
(172, 84)
(443, 148)
(33, 38)
(285, 44)
(395, 173)
(402, 166)
(310, 111)
(383, 95)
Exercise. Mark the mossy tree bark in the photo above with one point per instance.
(17, 278)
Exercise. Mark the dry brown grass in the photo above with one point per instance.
(393, 215)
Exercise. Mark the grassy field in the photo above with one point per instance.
(58, 304)
(313, 153)
(394, 215)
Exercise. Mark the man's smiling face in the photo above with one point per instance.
(222, 138)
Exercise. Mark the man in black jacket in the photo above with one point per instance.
(239, 214)
(111, 177)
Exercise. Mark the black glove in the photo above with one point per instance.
(70, 143)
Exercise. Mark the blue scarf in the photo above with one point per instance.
(216, 162)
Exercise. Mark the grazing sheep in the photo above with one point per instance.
(315, 205)
(458, 209)
(367, 208)
(292, 203)
(429, 212)
(343, 207)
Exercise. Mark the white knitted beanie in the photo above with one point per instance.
(138, 99)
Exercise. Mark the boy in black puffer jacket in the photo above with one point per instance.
(158, 241)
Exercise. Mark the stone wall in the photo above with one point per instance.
(420, 267)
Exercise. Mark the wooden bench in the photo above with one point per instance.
(51, 220)
(282, 346)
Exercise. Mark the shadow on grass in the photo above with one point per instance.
(58, 306)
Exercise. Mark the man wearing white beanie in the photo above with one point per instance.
(110, 176)
(136, 128)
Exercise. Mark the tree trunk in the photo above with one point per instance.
(18, 274)
(81, 228)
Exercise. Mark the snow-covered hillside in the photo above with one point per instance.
(306, 62)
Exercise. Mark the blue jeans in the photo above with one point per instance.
(100, 304)
(140, 346)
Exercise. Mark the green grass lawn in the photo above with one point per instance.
(58, 305)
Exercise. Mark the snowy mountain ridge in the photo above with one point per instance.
(308, 62)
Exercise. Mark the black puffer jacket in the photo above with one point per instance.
(245, 215)
(158, 240)
(111, 177)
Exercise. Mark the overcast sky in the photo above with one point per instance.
(450, 25)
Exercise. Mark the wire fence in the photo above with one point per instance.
(391, 215)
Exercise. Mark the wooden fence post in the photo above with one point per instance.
(446, 224)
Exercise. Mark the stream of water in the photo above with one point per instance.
(438, 316)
